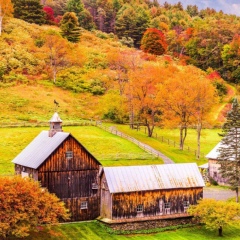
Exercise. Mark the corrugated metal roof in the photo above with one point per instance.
(153, 177)
(39, 149)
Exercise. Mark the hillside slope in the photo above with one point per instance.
(93, 68)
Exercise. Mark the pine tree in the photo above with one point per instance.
(29, 10)
(70, 27)
(229, 151)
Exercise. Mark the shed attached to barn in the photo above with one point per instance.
(65, 167)
(214, 165)
(147, 192)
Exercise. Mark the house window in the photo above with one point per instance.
(84, 205)
(139, 208)
(215, 175)
(69, 154)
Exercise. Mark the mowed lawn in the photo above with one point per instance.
(209, 138)
(96, 231)
(109, 149)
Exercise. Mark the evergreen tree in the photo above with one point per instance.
(132, 21)
(85, 19)
(229, 151)
(29, 10)
(70, 27)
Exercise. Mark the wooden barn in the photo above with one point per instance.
(213, 165)
(64, 167)
(149, 192)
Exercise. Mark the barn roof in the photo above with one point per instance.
(153, 177)
(39, 149)
(214, 153)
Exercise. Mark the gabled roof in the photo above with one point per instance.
(214, 153)
(39, 149)
(153, 177)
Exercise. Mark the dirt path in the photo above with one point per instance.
(218, 193)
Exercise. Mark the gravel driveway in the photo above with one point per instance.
(218, 193)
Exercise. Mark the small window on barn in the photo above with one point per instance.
(84, 205)
(69, 154)
(186, 204)
(167, 206)
(139, 208)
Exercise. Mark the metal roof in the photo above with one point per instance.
(55, 118)
(153, 177)
(214, 153)
(39, 149)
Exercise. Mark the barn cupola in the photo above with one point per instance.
(55, 124)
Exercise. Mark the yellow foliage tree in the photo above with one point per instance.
(6, 9)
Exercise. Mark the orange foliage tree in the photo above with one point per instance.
(142, 94)
(57, 50)
(187, 96)
(24, 205)
(153, 41)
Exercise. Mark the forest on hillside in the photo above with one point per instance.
(205, 38)
(145, 63)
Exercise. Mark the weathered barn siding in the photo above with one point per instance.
(171, 189)
(26, 172)
(125, 204)
(74, 180)
(106, 200)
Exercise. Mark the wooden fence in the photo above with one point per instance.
(144, 146)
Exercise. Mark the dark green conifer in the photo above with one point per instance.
(229, 151)
(29, 10)
(70, 27)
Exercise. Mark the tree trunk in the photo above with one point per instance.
(220, 231)
(183, 135)
(237, 194)
(199, 128)
(150, 130)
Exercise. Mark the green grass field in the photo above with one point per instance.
(96, 231)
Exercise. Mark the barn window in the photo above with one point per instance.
(69, 154)
(84, 205)
(186, 204)
(139, 208)
(167, 206)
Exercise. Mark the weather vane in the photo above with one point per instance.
(56, 105)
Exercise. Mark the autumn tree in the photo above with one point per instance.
(229, 151)
(153, 41)
(57, 54)
(216, 214)
(24, 205)
(181, 96)
(142, 88)
(6, 9)
(29, 10)
(49, 14)
(206, 98)
(70, 27)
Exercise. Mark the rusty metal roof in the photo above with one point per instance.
(153, 177)
(39, 149)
